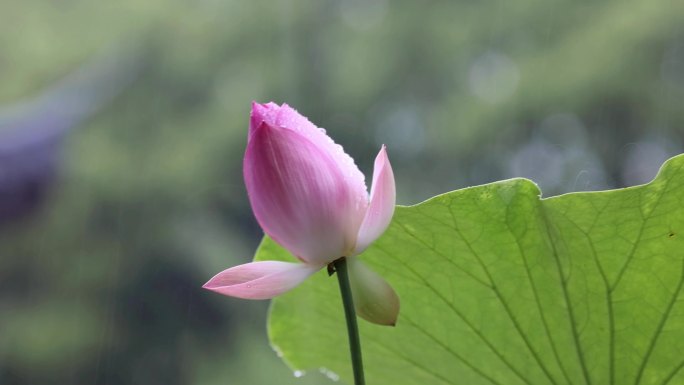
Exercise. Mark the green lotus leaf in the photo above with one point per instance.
(500, 286)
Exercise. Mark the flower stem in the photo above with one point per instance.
(352, 327)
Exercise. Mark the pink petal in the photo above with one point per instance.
(287, 117)
(262, 113)
(374, 299)
(299, 195)
(260, 280)
(382, 201)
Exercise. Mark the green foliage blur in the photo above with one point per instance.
(100, 278)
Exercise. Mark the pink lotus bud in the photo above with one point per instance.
(309, 196)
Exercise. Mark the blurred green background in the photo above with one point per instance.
(123, 125)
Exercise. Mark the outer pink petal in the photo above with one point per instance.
(374, 299)
(382, 202)
(299, 195)
(260, 280)
(286, 117)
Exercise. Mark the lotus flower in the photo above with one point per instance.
(308, 195)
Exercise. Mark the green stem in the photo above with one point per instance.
(352, 327)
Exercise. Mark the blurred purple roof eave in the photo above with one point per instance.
(31, 132)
